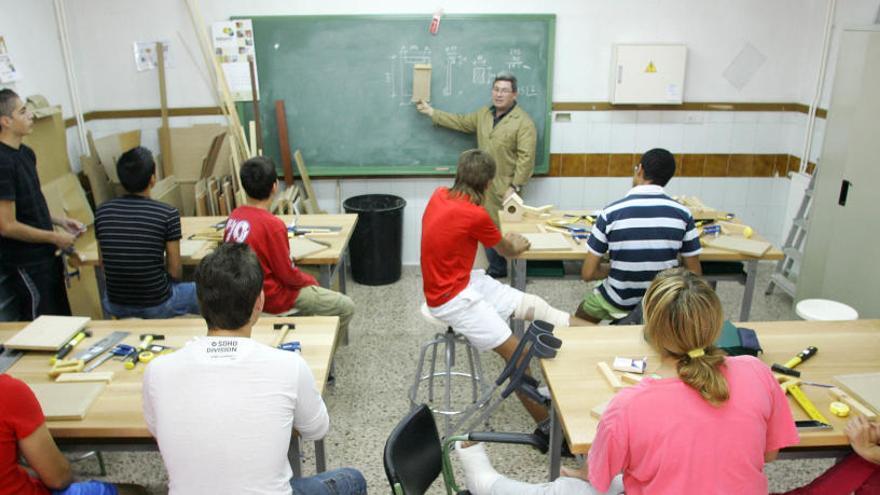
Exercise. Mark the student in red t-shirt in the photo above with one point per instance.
(474, 304)
(23, 432)
(285, 285)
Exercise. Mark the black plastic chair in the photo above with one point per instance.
(414, 455)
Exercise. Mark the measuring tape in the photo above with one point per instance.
(806, 404)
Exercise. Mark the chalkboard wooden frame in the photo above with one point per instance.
(318, 169)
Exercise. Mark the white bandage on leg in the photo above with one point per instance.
(533, 308)
(478, 471)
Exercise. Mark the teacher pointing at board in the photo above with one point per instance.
(506, 132)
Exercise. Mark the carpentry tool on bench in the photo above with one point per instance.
(101, 346)
(8, 357)
(817, 420)
(79, 361)
(142, 353)
(283, 329)
(66, 348)
(788, 367)
(121, 350)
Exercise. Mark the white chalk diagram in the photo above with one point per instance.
(399, 78)
(453, 58)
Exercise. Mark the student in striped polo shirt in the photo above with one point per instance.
(139, 242)
(644, 233)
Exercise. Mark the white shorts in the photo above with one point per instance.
(480, 311)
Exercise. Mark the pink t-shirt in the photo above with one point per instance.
(666, 438)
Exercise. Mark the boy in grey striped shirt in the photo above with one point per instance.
(643, 234)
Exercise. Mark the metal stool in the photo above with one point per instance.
(448, 339)
(825, 310)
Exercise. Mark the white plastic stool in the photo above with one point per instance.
(448, 339)
(825, 310)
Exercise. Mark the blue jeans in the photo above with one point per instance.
(342, 481)
(497, 264)
(182, 301)
(87, 488)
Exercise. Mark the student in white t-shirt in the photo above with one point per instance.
(223, 407)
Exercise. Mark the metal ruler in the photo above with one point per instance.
(8, 357)
(101, 346)
(806, 404)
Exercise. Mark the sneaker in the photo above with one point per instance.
(542, 431)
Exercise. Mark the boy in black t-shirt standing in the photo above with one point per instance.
(28, 240)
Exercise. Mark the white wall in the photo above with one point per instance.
(32, 39)
(787, 32)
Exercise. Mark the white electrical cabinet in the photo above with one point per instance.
(643, 74)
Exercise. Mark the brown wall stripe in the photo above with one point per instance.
(557, 106)
(688, 165)
(689, 106)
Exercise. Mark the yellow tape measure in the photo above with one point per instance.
(806, 404)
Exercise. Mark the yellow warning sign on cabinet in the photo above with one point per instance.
(650, 69)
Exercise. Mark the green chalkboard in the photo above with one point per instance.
(347, 82)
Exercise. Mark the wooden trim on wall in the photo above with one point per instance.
(143, 113)
(594, 106)
(687, 165)
(560, 106)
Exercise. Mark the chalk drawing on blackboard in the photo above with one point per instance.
(453, 58)
(482, 71)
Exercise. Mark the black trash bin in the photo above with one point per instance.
(377, 242)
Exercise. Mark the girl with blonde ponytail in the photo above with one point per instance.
(683, 320)
(707, 425)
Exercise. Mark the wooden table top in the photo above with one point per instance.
(577, 387)
(87, 246)
(579, 251)
(116, 414)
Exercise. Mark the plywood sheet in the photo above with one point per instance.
(301, 246)
(47, 333)
(190, 146)
(98, 180)
(94, 376)
(864, 387)
(737, 244)
(168, 191)
(110, 148)
(48, 139)
(189, 248)
(65, 197)
(550, 241)
(67, 401)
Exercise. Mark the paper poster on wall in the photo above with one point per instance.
(233, 47)
(8, 72)
(146, 57)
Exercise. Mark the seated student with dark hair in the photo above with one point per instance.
(643, 234)
(223, 407)
(23, 433)
(139, 242)
(286, 286)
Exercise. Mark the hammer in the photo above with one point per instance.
(65, 350)
(146, 340)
